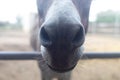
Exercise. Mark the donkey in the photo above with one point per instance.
(59, 35)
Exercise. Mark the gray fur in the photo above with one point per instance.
(46, 72)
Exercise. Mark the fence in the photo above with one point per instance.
(104, 28)
(36, 55)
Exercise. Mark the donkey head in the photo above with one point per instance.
(62, 32)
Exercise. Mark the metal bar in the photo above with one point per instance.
(37, 55)
(20, 55)
(101, 55)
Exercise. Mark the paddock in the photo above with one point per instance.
(88, 69)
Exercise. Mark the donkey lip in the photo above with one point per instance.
(61, 70)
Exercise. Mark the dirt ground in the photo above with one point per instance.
(95, 69)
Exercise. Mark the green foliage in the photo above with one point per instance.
(19, 21)
(7, 25)
(108, 17)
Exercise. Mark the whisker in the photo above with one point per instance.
(84, 57)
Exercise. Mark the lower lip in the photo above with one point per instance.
(61, 70)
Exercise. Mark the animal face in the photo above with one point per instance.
(62, 31)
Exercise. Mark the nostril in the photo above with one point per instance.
(44, 37)
(79, 38)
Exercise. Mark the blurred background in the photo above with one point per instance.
(17, 18)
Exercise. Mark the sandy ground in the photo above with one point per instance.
(95, 69)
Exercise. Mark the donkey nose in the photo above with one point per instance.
(63, 34)
(44, 37)
(79, 37)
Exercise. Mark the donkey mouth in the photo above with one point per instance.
(61, 70)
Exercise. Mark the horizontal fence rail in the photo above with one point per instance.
(37, 55)
(101, 55)
(20, 55)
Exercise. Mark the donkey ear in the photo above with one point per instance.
(43, 6)
(83, 7)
